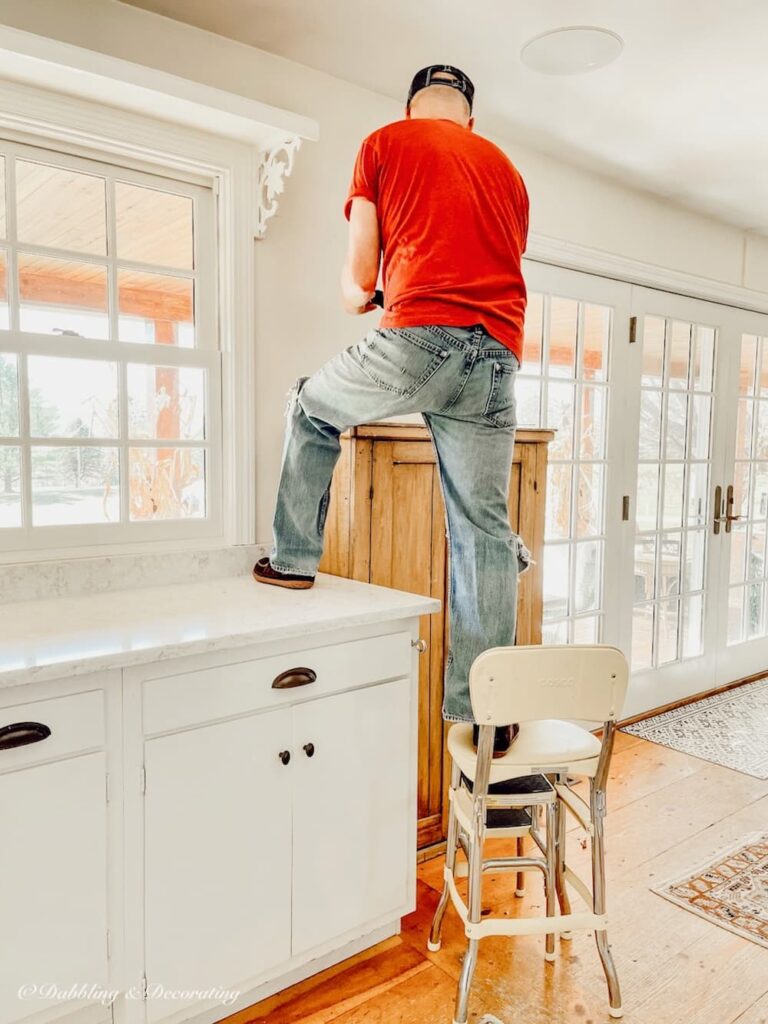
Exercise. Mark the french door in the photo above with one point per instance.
(657, 489)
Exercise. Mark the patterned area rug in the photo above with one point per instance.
(731, 891)
(729, 728)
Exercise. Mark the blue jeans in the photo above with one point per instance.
(462, 381)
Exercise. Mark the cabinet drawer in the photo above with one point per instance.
(191, 698)
(76, 722)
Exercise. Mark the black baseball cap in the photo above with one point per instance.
(425, 77)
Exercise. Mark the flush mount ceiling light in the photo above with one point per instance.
(571, 51)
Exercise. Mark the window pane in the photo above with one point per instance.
(62, 297)
(534, 325)
(597, 327)
(667, 630)
(563, 322)
(75, 485)
(527, 398)
(744, 429)
(558, 511)
(9, 395)
(741, 488)
(593, 422)
(679, 354)
(703, 357)
(163, 307)
(735, 614)
(3, 220)
(589, 500)
(72, 397)
(645, 569)
(653, 351)
(693, 571)
(763, 384)
(761, 441)
(588, 576)
(647, 497)
(759, 491)
(700, 426)
(747, 364)
(166, 402)
(5, 319)
(673, 496)
(697, 493)
(61, 208)
(693, 609)
(560, 418)
(153, 226)
(738, 553)
(755, 611)
(677, 415)
(669, 565)
(642, 636)
(556, 580)
(756, 566)
(554, 633)
(587, 630)
(650, 424)
(10, 487)
(167, 483)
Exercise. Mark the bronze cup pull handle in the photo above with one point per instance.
(294, 677)
(19, 734)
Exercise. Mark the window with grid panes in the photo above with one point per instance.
(747, 617)
(109, 363)
(563, 384)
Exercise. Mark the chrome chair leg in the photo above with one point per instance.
(475, 881)
(597, 799)
(452, 844)
(520, 890)
(562, 889)
(550, 877)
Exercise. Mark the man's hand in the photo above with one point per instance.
(361, 267)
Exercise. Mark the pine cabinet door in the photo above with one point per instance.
(217, 855)
(53, 884)
(353, 812)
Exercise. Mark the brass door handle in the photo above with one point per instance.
(718, 517)
(420, 645)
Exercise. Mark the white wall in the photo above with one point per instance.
(299, 321)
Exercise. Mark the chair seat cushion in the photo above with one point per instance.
(539, 745)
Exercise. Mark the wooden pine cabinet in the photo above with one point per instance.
(386, 525)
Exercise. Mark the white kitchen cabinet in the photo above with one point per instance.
(218, 856)
(53, 861)
(353, 826)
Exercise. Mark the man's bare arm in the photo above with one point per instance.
(361, 266)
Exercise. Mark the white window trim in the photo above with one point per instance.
(235, 171)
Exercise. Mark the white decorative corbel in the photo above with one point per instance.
(276, 165)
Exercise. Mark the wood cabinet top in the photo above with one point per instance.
(419, 432)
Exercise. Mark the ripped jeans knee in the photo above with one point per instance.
(524, 557)
(293, 393)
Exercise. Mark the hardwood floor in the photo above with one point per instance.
(666, 811)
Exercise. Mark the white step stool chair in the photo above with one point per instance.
(544, 689)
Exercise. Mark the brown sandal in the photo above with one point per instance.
(503, 738)
(263, 572)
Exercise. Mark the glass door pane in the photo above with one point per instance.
(674, 452)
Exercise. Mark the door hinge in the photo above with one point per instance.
(144, 986)
(109, 945)
(143, 777)
(632, 330)
(625, 508)
(106, 786)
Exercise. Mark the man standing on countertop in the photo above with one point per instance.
(445, 213)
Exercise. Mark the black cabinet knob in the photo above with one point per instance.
(309, 749)
(285, 756)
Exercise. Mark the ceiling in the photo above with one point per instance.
(682, 113)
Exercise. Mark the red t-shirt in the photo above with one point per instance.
(453, 219)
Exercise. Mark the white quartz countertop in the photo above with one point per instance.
(70, 636)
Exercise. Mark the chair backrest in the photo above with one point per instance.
(524, 684)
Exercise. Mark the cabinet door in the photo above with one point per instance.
(53, 883)
(217, 855)
(353, 812)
